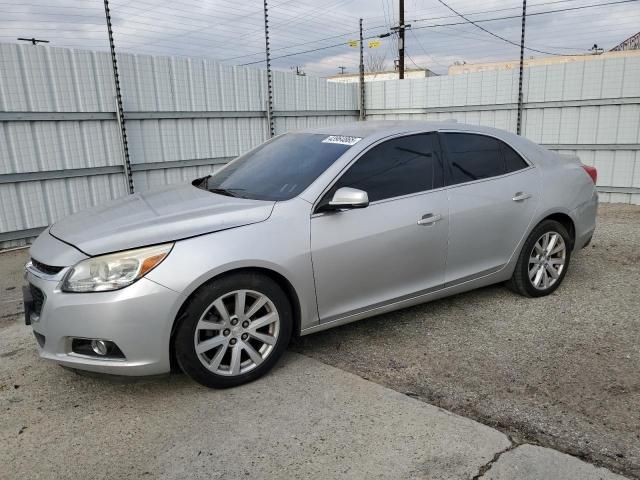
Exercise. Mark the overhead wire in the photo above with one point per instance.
(473, 22)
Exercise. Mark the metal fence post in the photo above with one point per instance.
(119, 108)
(269, 79)
(520, 99)
(362, 112)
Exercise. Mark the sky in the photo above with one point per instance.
(314, 35)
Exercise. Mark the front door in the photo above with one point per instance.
(397, 246)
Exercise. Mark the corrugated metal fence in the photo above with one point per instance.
(60, 149)
(591, 109)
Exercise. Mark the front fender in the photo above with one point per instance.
(280, 244)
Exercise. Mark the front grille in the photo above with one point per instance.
(38, 299)
(48, 269)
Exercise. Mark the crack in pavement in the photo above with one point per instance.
(487, 466)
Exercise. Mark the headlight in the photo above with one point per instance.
(114, 271)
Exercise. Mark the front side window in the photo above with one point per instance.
(396, 167)
(277, 170)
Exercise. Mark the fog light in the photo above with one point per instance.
(104, 349)
(99, 347)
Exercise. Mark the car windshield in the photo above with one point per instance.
(279, 169)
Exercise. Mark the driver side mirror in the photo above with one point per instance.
(347, 198)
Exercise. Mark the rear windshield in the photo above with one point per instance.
(277, 170)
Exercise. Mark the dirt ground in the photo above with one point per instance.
(562, 371)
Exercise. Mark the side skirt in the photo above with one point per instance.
(482, 279)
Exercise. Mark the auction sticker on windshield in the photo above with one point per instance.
(342, 140)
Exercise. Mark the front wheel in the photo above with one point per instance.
(543, 261)
(234, 330)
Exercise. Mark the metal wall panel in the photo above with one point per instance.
(27, 205)
(192, 115)
(592, 104)
(179, 111)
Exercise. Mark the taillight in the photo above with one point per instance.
(592, 171)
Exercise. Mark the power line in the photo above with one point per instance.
(306, 51)
(425, 51)
(494, 10)
(475, 23)
(491, 33)
(304, 43)
(244, 34)
(467, 21)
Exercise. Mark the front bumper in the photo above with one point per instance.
(138, 319)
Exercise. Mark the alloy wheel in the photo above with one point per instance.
(547, 260)
(237, 332)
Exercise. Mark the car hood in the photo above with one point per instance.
(158, 216)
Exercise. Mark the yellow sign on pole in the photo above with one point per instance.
(354, 43)
(374, 43)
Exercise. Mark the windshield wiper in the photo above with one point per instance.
(203, 183)
(229, 192)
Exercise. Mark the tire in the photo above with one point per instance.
(533, 274)
(220, 345)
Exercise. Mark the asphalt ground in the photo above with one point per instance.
(561, 371)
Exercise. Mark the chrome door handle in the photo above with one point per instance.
(520, 196)
(429, 219)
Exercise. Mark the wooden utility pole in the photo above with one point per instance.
(33, 41)
(401, 40)
(400, 29)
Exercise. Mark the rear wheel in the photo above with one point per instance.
(234, 330)
(543, 261)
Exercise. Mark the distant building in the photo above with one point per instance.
(381, 76)
(461, 68)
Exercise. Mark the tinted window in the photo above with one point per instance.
(396, 167)
(512, 160)
(276, 170)
(473, 157)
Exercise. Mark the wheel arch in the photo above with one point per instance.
(559, 216)
(566, 221)
(277, 277)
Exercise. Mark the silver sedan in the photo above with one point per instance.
(308, 231)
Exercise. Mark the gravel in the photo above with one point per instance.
(560, 371)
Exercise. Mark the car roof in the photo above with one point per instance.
(376, 128)
(373, 130)
(390, 127)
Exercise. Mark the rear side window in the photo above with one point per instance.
(473, 157)
(513, 161)
(396, 167)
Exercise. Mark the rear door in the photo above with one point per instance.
(493, 193)
(392, 249)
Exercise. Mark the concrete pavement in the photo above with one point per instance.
(529, 462)
(306, 419)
